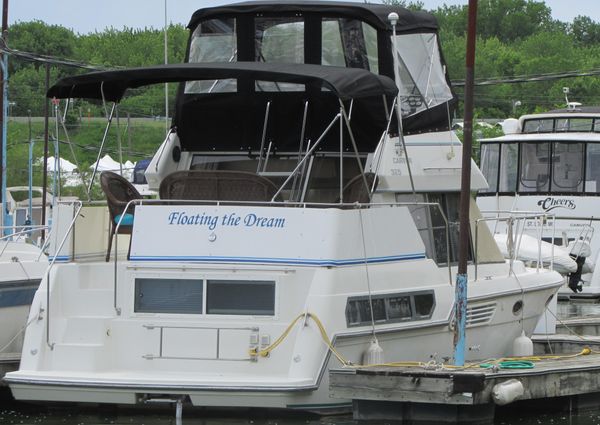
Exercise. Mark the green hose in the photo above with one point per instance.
(509, 364)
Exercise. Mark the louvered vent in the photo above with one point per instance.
(480, 314)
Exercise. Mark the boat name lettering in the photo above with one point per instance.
(182, 218)
(550, 203)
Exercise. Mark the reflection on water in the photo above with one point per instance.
(572, 309)
(62, 416)
(28, 415)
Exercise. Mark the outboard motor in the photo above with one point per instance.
(579, 251)
(575, 281)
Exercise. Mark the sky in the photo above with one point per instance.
(84, 16)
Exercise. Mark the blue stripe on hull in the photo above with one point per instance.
(294, 261)
(17, 293)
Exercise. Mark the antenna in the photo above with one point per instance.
(566, 92)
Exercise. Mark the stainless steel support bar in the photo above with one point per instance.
(47, 273)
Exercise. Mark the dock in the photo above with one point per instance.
(438, 394)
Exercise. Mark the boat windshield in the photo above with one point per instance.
(318, 181)
(344, 42)
(541, 167)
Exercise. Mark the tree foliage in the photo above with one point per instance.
(515, 38)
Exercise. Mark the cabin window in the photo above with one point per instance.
(490, 164)
(349, 43)
(574, 124)
(535, 167)
(389, 308)
(509, 156)
(279, 39)
(240, 297)
(422, 76)
(432, 226)
(538, 126)
(567, 167)
(592, 168)
(213, 40)
(175, 296)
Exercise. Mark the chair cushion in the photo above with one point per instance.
(127, 219)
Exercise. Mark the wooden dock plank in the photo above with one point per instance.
(549, 378)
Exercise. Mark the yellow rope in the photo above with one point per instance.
(265, 352)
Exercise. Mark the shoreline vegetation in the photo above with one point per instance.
(515, 38)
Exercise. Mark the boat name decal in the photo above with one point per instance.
(551, 203)
(181, 218)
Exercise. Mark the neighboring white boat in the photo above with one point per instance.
(288, 236)
(22, 266)
(548, 163)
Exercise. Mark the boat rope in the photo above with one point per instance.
(526, 362)
(364, 247)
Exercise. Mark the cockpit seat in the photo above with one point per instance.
(221, 185)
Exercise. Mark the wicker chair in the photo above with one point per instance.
(118, 193)
(217, 186)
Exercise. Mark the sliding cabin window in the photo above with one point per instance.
(592, 168)
(240, 297)
(432, 227)
(567, 167)
(185, 296)
(534, 159)
(174, 296)
(489, 164)
(389, 308)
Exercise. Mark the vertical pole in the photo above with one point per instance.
(3, 106)
(128, 134)
(45, 173)
(166, 84)
(30, 171)
(465, 195)
(393, 18)
(56, 175)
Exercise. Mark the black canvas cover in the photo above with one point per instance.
(345, 83)
(434, 118)
(234, 121)
(374, 14)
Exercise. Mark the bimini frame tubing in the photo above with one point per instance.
(307, 155)
(110, 118)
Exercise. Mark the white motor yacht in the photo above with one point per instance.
(547, 163)
(295, 227)
(22, 266)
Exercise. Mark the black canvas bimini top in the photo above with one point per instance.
(374, 14)
(345, 83)
(233, 121)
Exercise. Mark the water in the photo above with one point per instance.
(70, 416)
(12, 412)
